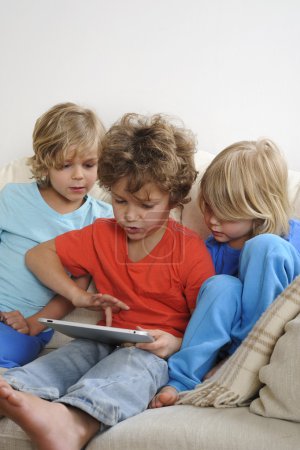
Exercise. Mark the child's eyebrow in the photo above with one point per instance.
(92, 158)
(138, 199)
(115, 194)
(146, 200)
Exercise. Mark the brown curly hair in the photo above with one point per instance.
(149, 149)
(62, 127)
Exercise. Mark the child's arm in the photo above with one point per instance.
(44, 262)
(57, 308)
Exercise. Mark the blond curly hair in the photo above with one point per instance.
(63, 127)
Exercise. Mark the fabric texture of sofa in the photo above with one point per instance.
(186, 427)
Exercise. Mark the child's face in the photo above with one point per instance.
(76, 178)
(141, 214)
(233, 232)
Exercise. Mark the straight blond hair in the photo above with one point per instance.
(248, 180)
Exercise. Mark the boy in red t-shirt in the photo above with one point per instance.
(142, 257)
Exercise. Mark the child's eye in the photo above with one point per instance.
(119, 201)
(146, 206)
(90, 165)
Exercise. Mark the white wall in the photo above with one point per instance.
(229, 68)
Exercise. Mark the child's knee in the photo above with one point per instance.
(269, 252)
(268, 245)
(219, 285)
(264, 242)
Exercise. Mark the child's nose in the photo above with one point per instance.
(77, 173)
(130, 214)
(214, 220)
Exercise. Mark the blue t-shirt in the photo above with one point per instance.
(25, 221)
(226, 258)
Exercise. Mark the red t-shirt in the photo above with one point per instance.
(161, 289)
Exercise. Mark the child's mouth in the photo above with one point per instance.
(77, 189)
(132, 230)
(217, 233)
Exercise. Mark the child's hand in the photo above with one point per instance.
(165, 344)
(15, 320)
(96, 302)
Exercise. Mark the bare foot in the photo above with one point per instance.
(51, 426)
(167, 396)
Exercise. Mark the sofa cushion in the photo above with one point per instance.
(181, 428)
(13, 437)
(192, 428)
(17, 171)
(280, 397)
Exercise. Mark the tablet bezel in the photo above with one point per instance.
(107, 335)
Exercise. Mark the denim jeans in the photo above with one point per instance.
(109, 383)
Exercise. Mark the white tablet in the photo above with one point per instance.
(107, 335)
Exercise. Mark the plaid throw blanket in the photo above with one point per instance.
(237, 381)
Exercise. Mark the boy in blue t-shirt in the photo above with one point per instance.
(67, 141)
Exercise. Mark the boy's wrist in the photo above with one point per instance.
(76, 296)
(34, 326)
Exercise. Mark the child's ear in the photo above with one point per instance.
(173, 205)
(258, 224)
(44, 179)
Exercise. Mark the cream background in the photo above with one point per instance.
(230, 69)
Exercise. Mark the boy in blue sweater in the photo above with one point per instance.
(256, 252)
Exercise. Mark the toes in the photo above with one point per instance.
(4, 391)
(167, 398)
(155, 403)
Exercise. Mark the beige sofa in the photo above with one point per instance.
(179, 427)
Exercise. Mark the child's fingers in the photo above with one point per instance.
(109, 300)
(164, 345)
(108, 316)
(15, 320)
(12, 317)
(120, 304)
(154, 333)
(21, 329)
